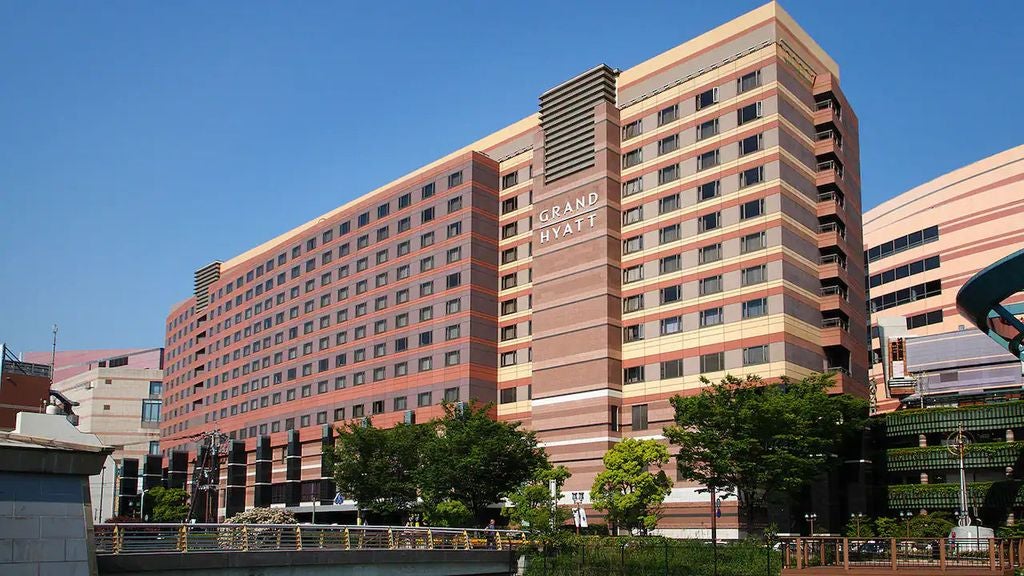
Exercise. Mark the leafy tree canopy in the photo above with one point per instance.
(762, 440)
(629, 492)
(378, 467)
(536, 511)
(166, 504)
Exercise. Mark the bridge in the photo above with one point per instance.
(825, 555)
(309, 550)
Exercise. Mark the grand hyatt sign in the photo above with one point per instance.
(566, 219)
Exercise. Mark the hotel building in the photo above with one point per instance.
(923, 245)
(696, 214)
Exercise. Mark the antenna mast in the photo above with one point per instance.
(53, 355)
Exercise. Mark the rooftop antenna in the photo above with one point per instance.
(53, 355)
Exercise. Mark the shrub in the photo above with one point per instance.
(263, 516)
(450, 514)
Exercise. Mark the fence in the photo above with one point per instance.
(938, 554)
(188, 538)
(654, 556)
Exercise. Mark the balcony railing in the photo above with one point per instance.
(832, 227)
(835, 291)
(831, 165)
(931, 420)
(835, 323)
(832, 196)
(985, 455)
(833, 259)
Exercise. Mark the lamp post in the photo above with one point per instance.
(906, 516)
(142, 505)
(577, 501)
(811, 517)
(857, 518)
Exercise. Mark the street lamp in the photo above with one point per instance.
(906, 516)
(811, 517)
(857, 518)
(577, 501)
(142, 505)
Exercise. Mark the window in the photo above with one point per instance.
(509, 230)
(427, 215)
(451, 394)
(668, 144)
(751, 176)
(710, 285)
(633, 273)
(902, 243)
(634, 186)
(453, 280)
(707, 160)
(508, 359)
(707, 98)
(900, 272)
(424, 399)
(670, 325)
(509, 205)
(752, 242)
(151, 410)
(668, 204)
(748, 81)
(633, 129)
(399, 403)
(633, 215)
(339, 414)
(155, 388)
(425, 364)
(363, 220)
(633, 157)
(633, 303)
(508, 395)
(404, 200)
(404, 224)
(925, 319)
(751, 144)
(633, 333)
(672, 369)
(427, 191)
(640, 417)
(451, 358)
(668, 174)
(426, 338)
(455, 179)
(669, 234)
(454, 254)
(454, 229)
(358, 411)
(452, 332)
(510, 255)
(709, 222)
(634, 244)
(633, 375)
(454, 204)
(748, 113)
(712, 362)
(670, 264)
(509, 180)
(752, 209)
(426, 289)
(752, 275)
(667, 115)
(670, 294)
(707, 129)
(911, 294)
(755, 355)
(755, 308)
(401, 369)
(453, 306)
(508, 332)
(711, 317)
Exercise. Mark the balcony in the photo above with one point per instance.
(828, 112)
(985, 494)
(986, 455)
(934, 420)
(838, 323)
(831, 204)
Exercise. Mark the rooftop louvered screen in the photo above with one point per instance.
(567, 119)
(203, 278)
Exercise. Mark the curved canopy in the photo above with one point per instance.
(980, 300)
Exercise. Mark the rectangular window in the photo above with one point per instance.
(708, 190)
(633, 303)
(633, 274)
(707, 98)
(755, 355)
(363, 219)
(633, 129)
(508, 359)
(451, 394)
(151, 410)
(454, 204)
(710, 285)
(634, 244)
(707, 160)
(509, 205)
(453, 280)
(455, 179)
(709, 222)
(404, 200)
(427, 215)
(668, 144)
(640, 417)
(634, 186)
(633, 215)
(711, 317)
(670, 325)
(632, 158)
(669, 234)
(751, 176)
(748, 113)
(751, 144)
(452, 358)
(707, 129)
(669, 264)
(672, 369)
(508, 395)
(667, 115)
(711, 253)
(668, 174)
(509, 180)
(424, 399)
(670, 294)
(427, 191)
(748, 82)
(633, 375)
(755, 308)
(752, 242)
(713, 362)
(633, 333)
(668, 204)
(752, 275)
(752, 209)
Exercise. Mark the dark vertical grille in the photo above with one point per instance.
(203, 278)
(567, 119)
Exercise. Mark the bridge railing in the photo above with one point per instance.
(894, 554)
(188, 538)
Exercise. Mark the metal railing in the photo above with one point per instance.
(835, 323)
(833, 259)
(114, 539)
(935, 554)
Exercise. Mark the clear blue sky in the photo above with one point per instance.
(128, 128)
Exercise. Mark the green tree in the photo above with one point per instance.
(534, 509)
(450, 514)
(475, 459)
(762, 440)
(166, 504)
(628, 490)
(377, 467)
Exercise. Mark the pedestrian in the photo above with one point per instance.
(491, 534)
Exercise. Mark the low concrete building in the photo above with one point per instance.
(45, 511)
